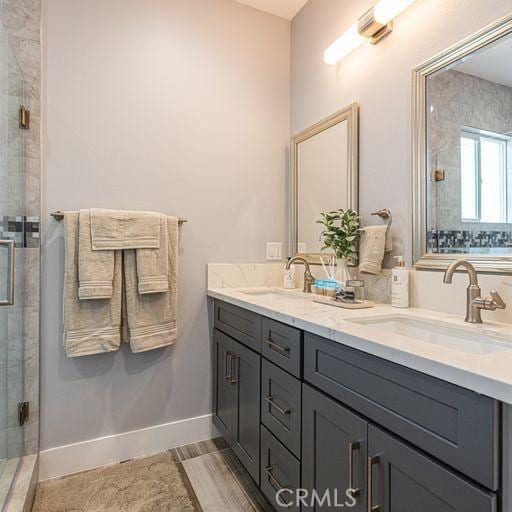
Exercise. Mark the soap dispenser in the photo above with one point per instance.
(400, 284)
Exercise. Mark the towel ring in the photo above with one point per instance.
(385, 215)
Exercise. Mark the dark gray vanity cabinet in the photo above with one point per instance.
(236, 399)
(301, 411)
(334, 447)
(223, 389)
(245, 434)
(402, 480)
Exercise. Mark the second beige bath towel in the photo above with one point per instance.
(150, 319)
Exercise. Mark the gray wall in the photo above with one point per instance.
(379, 77)
(178, 106)
(458, 100)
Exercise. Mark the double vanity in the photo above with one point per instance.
(406, 407)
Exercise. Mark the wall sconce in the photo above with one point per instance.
(373, 26)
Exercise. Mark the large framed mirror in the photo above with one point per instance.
(323, 177)
(462, 153)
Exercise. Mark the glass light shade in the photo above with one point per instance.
(344, 45)
(386, 10)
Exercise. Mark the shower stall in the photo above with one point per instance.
(19, 280)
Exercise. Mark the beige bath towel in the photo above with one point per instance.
(95, 268)
(372, 249)
(150, 319)
(91, 326)
(152, 264)
(119, 229)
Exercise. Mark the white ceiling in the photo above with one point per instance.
(492, 64)
(283, 8)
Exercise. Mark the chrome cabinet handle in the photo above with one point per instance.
(269, 470)
(232, 380)
(227, 372)
(272, 344)
(372, 461)
(270, 400)
(9, 301)
(352, 447)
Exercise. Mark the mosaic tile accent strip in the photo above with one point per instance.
(23, 230)
(441, 241)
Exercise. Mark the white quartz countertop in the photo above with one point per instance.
(488, 372)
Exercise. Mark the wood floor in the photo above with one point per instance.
(206, 477)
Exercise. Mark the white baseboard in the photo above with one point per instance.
(73, 458)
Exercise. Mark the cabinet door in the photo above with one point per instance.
(334, 447)
(245, 440)
(402, 480)
(223, 383)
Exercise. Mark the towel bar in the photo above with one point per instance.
(59, 215)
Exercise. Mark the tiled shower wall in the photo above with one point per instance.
(20, 22)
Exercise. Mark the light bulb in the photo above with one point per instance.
(386, 10)
(344, 45)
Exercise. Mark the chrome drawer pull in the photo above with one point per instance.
(372, 461)
(352, 447)
(269, 470)
(272, 344)
(9, 301)
(270, 400)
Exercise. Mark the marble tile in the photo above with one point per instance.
(377, 288)
(221, 483)
(32, 187)
(27, 53)
(23, 489)
(237, 275)
(30, 276)
(21, 18)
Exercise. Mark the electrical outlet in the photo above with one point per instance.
(301, 247)
(274, 251)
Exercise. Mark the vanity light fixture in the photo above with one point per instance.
(372, 25)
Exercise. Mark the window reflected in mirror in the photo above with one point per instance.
(469, 154)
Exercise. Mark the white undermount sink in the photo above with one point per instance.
(446, 336)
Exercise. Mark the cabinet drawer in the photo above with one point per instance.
(281, 344)
(242, 325)
(281, 405)
(403, 479)
(279, 470)
(457, 426)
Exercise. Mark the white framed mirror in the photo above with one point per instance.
(462, 153)
(323, 177)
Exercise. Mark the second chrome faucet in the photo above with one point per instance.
(475, 303)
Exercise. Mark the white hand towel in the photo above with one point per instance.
(153, 265)
(95, 268)
(372, 248)
(119, 229)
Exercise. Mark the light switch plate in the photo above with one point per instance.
(274, 251)
(301, 247)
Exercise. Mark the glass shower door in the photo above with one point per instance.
(11, 265)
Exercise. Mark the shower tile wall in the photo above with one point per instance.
(20, 29)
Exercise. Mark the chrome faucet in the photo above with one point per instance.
(308, 277)
(474, 302)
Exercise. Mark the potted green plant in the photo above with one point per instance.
(341, 235)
